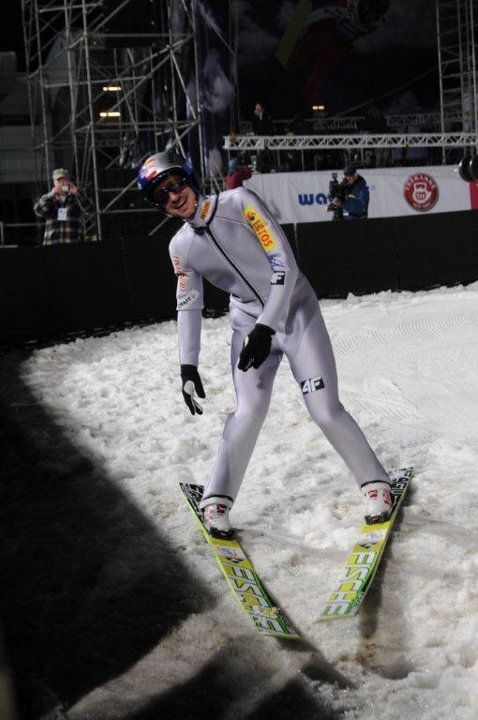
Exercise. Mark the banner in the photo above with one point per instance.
(300, 197)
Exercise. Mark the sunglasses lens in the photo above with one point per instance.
(162, 194)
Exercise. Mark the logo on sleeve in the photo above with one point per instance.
(178, 268)
(278, 277)
(183, 282)
(312, 384)
(187, 299)
(260, 227)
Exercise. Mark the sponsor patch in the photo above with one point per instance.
(277, 261)
(235, 554)
(372, 539)
(187, 299)
(278, 277)
(421, 192)
(178, 268)
(312, 384)
(260, 227)
(205, 209)
(183, 282)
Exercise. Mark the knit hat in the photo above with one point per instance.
(61, 173)
(350, 170)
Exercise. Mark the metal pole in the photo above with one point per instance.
(92, 123)
(473, 69)
(198, 98)
(45, 122)
(440, 75)
(73, 90)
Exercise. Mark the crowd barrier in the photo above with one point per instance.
(51, 293)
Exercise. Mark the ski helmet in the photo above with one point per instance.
(157, 167)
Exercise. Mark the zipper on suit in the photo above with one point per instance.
(233, 266)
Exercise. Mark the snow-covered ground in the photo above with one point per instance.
(108, 415)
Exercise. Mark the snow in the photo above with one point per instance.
(148, 627)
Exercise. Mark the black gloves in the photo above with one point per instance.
(191, 384)
(257, 347)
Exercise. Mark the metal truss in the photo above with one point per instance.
(104, 95)
(457, 42)
(352, 124)
(348, 142)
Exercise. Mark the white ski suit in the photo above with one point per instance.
(236, 244)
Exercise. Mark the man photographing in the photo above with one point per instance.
(350, 197)
(62, 208)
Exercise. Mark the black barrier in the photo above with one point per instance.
(50, 292)
(439, 249)
(149, 277)
(403, 253)
(85, 285)
(348, 257)
(25, 300)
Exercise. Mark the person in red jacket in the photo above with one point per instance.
(236, 174)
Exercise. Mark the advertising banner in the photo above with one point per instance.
(299, 197)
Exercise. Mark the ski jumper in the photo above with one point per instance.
(234, 242)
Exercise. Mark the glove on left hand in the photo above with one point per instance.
(257, 347)
(191, 384)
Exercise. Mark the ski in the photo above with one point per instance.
(364, 558)
(241, 576)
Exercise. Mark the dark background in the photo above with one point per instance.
(395, 65)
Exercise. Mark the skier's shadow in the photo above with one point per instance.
(227, 683)
(89, 584)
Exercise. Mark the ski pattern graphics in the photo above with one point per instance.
(241, 576)
(364, 558)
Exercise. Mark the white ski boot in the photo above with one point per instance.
(379, 501)
(216, 517)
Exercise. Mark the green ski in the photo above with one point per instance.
(364, 558)
(241, 576)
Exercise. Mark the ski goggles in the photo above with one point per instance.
(161, 195)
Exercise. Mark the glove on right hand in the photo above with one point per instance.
(191, 384)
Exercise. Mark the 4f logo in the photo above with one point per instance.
(278, 277)
(312, 384)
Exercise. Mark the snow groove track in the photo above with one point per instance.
(394, 340)
(432, 327)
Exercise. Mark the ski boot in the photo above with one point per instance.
(379, 501)
(216, 517)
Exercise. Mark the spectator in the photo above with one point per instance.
(355, 196)
(236, 174)
(375, 122)
(262, 125)
(63, 209)
(262, 121)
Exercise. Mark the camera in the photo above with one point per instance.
(65, 189)
(337, 190)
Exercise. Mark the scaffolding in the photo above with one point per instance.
(457, 56)
(110, 83)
